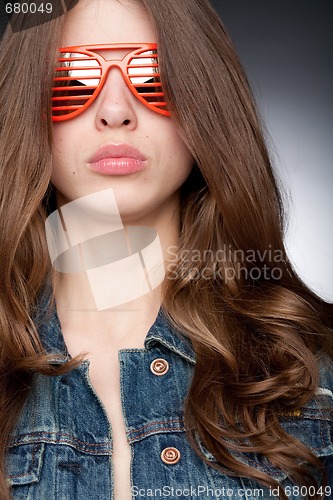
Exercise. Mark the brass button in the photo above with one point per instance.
(159, 366)
(170, 456)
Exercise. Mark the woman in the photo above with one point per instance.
(216, 383)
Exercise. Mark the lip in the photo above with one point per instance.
(117, 159)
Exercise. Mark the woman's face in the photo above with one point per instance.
(117, 117)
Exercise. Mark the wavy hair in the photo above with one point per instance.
(257, 330)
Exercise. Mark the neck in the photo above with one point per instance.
(117, 305)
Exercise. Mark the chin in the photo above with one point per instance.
(137, 215)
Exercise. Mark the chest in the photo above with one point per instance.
(104, 376)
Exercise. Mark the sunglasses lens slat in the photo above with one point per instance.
(153, 94)
(73, 88)
(70, 98)
(61, 68)
(158, 104)
(67, 108)
(134, 66)
(148, 83)
(73, 78)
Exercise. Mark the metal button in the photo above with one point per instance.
(170, 456)
(159, 366)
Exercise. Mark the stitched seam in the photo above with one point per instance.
(155, 428)
(33, 456)
(158, 422)
(42, 435)
(69, 443)
(157, 431)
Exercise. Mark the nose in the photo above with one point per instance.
(115, 103)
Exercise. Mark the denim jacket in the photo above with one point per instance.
(61, 448)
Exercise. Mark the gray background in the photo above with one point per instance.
(286, 48)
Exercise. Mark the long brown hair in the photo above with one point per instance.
(257, 330)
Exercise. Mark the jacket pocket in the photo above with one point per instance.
(24, 463)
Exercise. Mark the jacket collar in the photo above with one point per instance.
(161, 332)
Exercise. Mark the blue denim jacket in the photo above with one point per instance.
(61, 448)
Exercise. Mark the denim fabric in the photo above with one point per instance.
(61, 448)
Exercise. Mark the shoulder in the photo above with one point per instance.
(320, 406)
(326, 374)
(312, 424)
